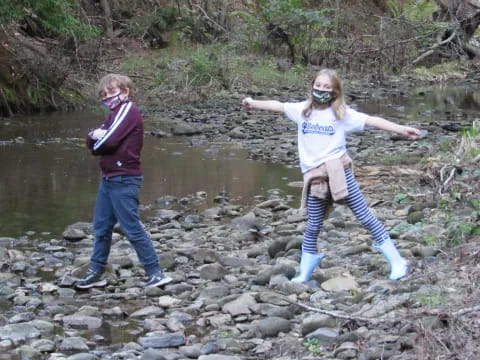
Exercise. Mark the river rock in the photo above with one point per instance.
(212, 272)
(148, 312)
(183, 128)
(81, 321)
(316, 321)
(219, 357)
(424, 251)
(325, 336)
(43, 345)
(345, 282)
(28, 352)
(155, 354)
(191, 351)
(272, 326)
(74, 234)
(237, 133)
(73, 344)
(21, 318)
(162, 341)
(19, 332)
(240, 306)
(82, 356)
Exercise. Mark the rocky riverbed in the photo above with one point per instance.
(231, 297)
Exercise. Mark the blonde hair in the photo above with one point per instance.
(338, 105)
(109, 81)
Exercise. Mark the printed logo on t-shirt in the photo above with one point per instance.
(309, 128)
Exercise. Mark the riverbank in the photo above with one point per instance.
(231, 297)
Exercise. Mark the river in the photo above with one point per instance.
(49, 179)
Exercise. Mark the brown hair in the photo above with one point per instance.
(338, 105)
(108, 81)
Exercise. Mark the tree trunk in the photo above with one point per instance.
(464, 16)
(108, 18)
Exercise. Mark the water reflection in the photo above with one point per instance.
(50, 179)
(438, 104)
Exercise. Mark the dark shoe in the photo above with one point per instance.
(90, 280)
(158, 279)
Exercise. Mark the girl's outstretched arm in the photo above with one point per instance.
(271, 105)
(382, 124)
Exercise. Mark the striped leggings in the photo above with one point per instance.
(356, 202)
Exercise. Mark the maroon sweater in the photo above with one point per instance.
(121, 146)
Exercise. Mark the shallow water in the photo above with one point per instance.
(50, 179)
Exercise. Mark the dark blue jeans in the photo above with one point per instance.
(117, 200)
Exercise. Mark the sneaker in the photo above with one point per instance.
(91, 279)
(158, 279)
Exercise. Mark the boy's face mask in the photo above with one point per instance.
(112, 102)
(322, 97)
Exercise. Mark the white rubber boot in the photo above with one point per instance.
(398, 265)
(308, 262)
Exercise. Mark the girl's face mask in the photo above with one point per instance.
(322, 97)
(111, 102)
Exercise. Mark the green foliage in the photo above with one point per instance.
(472, 132)
(432, 299)
(225, 334)
(418, 16)
(33, 95)
(10, 11)
(136, 64)
(266, 73)
(429, 240)
(419, 10)
(394, 8)
(165, 18)
(56, 17)
(470, 142)
(475, 203)
(308, 28)
(458, 233)
(401, 198)
(204, 67)
(196, 28)
(10, 94)
(312, 345)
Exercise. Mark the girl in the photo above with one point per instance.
(323, 121)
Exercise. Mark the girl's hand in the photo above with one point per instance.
(411, 132)
(97, 134)
(247, 102)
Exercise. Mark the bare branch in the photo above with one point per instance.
(474, 3)
(210, 19)
(330, 313)
(5, 101)
(435, 46)
(453, 314)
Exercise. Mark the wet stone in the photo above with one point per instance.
(219, 357)
(73, 344)
(164, 341)
(82, 321)
(43, 345)
(19, 332)
(82, 356)
(147, 312)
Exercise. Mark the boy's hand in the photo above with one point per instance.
(412, 133)
(97, 134)
(247, 102)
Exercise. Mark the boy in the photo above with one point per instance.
(119, 142)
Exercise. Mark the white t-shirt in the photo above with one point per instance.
(321, 137)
